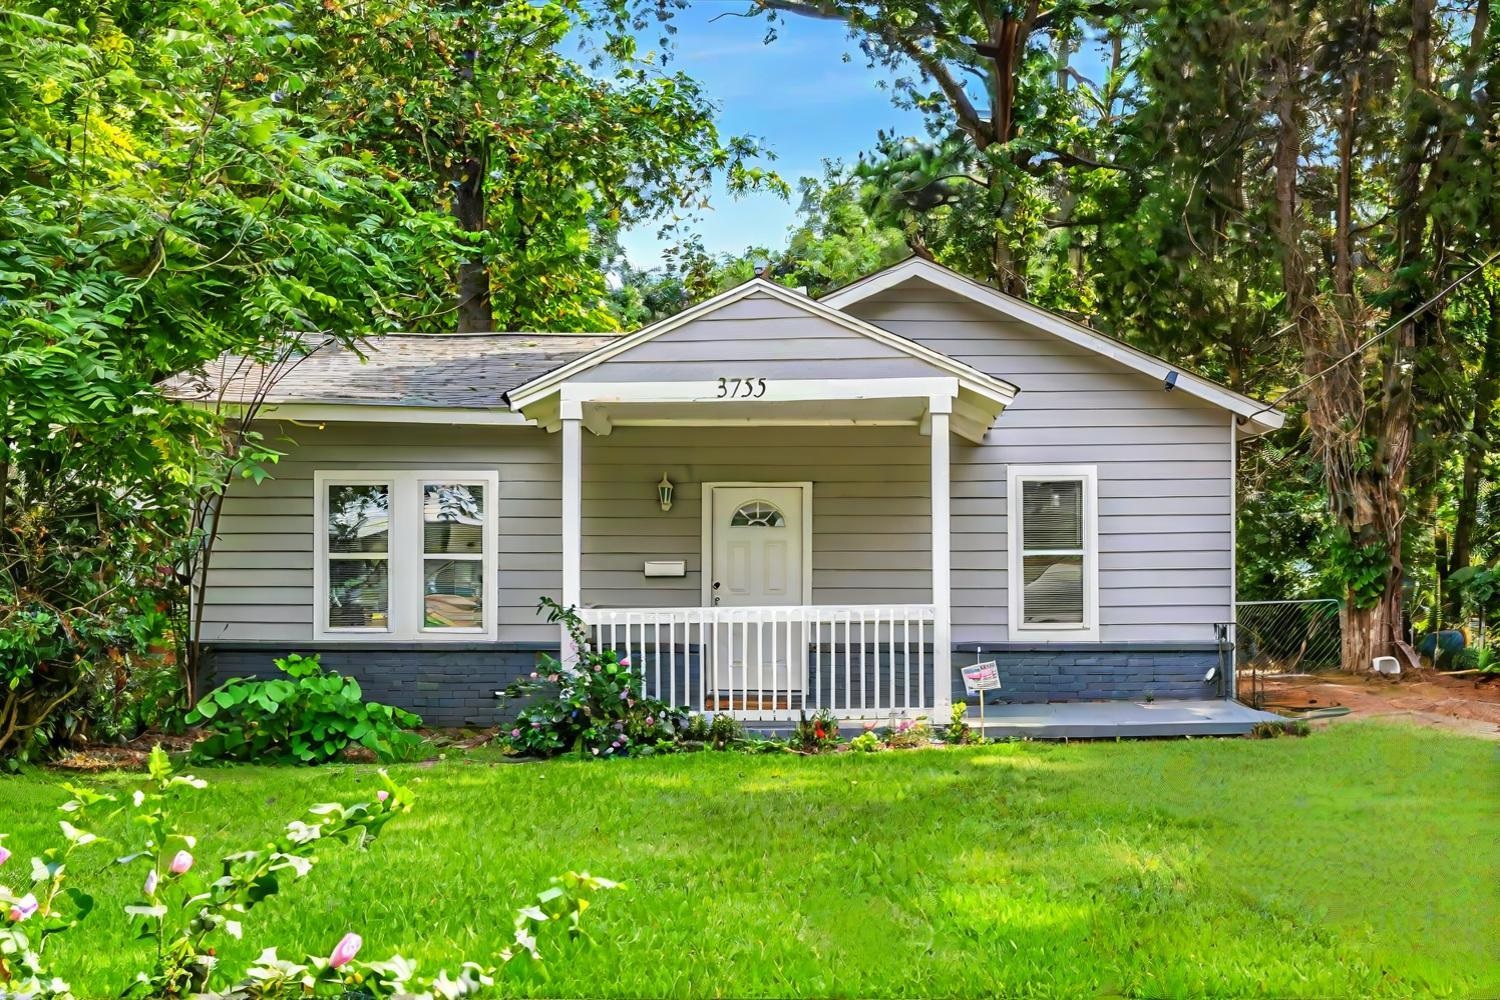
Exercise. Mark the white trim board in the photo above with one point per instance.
(1258, 418)
(404, 555)
(1015, 576)
(970, 377)
(375, 413)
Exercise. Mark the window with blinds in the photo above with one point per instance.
(1052, 549)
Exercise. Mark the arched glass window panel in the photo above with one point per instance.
(757, 514)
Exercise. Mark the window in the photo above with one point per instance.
(405, 555)
(1052, 527)
(757, 514)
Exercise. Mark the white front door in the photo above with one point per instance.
(756, 535)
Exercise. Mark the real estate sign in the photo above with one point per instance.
(981, 677)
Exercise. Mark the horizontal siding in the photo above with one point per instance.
(261, 574)
(1165, 560)
(870, 508)
(1163, 461)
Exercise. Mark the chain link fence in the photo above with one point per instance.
(1285, 637)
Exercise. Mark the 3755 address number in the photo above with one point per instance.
(742, 388)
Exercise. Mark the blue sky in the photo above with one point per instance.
(797, 93)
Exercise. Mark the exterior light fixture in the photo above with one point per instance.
(664, 492)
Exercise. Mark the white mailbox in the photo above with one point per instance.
(666, 567)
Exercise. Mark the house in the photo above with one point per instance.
(773, 503)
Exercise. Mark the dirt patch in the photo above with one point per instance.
(130, 756)
(1461, 704)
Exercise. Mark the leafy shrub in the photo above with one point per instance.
(309, 717)
(910, 733)
(866, 742)
(597, 707)
(957, 731)
(186, 909)
(817, 734)
(719, 731)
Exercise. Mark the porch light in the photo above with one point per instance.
(664, 492)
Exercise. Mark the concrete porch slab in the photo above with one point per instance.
(1085, 720)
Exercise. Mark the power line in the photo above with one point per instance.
(1417, 311)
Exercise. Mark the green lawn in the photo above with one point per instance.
(1361, 861)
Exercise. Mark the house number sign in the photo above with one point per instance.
(742, 388)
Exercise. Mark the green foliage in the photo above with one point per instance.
(309, 717)
(718, 732)
(1360, 567)
(594, 707)
(1479, 587)
(957, 730)
(186, 911)
(909, 734)
(539, 159)
(816, 734)
(866, 742)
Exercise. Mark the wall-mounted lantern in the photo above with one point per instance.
(664, 492)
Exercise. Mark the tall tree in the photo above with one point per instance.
(537, 157)
(1360, 141)
(1017, 132)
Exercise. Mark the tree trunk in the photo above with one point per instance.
(474, 314)
(1478, 445)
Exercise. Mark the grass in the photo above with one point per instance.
(1361, 861)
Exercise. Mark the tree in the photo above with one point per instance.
(157, 206)
(1356, 141)
(1016, 129)
(538, 159)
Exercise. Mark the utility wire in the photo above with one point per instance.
(1423, 307)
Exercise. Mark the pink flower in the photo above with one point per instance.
(181, 862)
(23, 908)
(345, 950)
(4, 855)
(625, 662)
(382, 795)
(151, 879)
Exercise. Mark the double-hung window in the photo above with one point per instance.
(1052, 525)
(405, 555)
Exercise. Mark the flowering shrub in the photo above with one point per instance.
(594, 707)
(817, 734)
(910, 733)
(866, 742)
(309, 717)
(185, 907)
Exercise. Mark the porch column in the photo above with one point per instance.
(572, 513)
(939, 408)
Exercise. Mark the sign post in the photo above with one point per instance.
(978, 679)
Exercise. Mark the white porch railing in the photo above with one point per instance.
(772, 663)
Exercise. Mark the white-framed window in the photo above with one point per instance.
(1052, 527)
(404, 554)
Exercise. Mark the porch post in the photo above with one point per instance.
(939, 408)
(572, 513)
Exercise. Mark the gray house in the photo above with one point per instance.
(773, 503)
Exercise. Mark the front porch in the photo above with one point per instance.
(758, 645)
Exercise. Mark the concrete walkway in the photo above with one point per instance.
(1083, 720)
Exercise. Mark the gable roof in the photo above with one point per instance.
(969, 377)
(1256, 417)
(398, 369)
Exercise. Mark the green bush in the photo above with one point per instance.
(595, 707)
(309, 717)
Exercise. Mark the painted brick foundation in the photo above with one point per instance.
(1078, 672)
(446, 687)
(455, 686)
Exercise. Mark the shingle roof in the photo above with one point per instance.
(407, 369)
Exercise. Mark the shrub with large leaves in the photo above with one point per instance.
(309, 717)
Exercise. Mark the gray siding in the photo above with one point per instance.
(870, 509)
(781, 341)
(1165, 554)
(1163, 459)
(261, 575)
